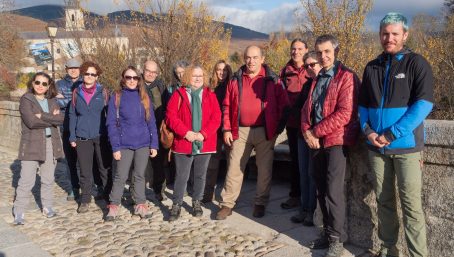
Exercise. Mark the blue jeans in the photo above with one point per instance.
(307, 184)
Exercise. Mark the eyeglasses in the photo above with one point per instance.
(151, 71)
(136, 78)
(37, 83)
(90, 74)
(312, 65)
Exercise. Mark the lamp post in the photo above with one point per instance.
(52, 33)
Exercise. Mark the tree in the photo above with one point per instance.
(180, 30)
(345, 20)
(277, 51)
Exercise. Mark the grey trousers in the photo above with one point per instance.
(183, 164)
(28, 177)
(140, 158)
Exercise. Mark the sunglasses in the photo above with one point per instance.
(37, 83)
(90, 74)
(136, 78)
(310, 64)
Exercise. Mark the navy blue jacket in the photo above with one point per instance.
(132, 131)
(87, 121)
(65, 87)
(395, 97)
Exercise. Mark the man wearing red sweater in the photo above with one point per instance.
(255, 111)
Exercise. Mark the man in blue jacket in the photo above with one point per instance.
(395, 98)
(65, 88)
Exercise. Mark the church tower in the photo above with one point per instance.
(74, 16)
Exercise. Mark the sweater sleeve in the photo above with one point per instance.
(113, 128)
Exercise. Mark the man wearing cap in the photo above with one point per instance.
(65, 87)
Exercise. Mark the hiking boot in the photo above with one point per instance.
(83, 208)
(19, 219)
(259, 211)
(319, 243)
(335, 248)
(175, 212)
(142, 211)
(223, 213)
(48, 212)
(197, 209)
(291, 203)
(298, 218)
(309, 220)
(113, 212)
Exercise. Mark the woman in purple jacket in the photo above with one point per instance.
(132, 132)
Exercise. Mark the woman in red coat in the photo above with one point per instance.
(194, 115)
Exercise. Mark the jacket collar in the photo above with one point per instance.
(384, 57)
(269, 74)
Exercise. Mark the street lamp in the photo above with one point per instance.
(52, 33)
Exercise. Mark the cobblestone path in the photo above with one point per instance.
(73, 234)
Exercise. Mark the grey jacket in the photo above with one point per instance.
(33, 139)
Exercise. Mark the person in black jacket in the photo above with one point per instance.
(395, 97)
(156, 168)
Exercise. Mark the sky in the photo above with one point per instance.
(267, 15)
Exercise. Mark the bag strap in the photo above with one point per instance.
(74, 97)
(117, 107)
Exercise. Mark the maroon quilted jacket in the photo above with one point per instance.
(340, 124)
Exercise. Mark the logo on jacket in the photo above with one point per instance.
(400, 76)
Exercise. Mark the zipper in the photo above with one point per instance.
(382, 103)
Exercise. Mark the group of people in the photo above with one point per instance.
(319, 101)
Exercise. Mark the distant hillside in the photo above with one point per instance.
(56, 13)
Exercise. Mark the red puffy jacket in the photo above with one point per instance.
(340, 124)
(276, 104)
(179, 120)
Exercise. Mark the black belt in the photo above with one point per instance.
(82, 138)
(47, 136)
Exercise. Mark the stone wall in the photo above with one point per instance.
(437, 194)
(10, 125)
(438, 187)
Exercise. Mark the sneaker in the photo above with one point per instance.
(113, 212)
(259, 211)
(335, 248)
(291, 203)
(142, 211)
(70, 196)
(83, 208)
(48, 212)
(223, 213)
(319, 243)
(19, 219)
(175, 212)
(197, 209)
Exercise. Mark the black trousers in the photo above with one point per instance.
(157, 168)
(329, 166)
(87, 151)
(292, 137)
(71, 159)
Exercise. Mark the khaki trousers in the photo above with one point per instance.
(249, 139)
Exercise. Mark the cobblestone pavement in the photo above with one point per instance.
(72, 234)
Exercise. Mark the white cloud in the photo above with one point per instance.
(276, 19)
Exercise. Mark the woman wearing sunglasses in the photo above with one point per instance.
(40, 144)
(133, 135)
(194, 115)
(88, 133)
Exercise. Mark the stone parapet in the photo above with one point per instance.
(10, 124)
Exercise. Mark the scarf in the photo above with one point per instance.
(196, 105)
(88, 93)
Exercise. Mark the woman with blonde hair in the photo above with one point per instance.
(133, 136)
(193, 114)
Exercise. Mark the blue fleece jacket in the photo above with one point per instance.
(87, 121)
(132, 130)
